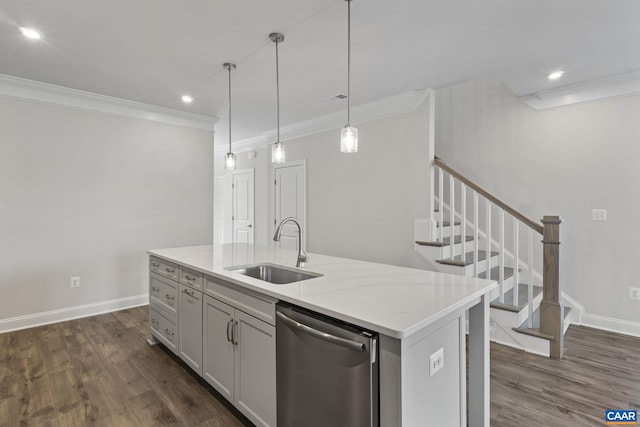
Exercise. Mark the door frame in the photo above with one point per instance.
(230, 175)
(272, 196)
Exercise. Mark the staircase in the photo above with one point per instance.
(492, 240)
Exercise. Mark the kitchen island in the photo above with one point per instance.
(419, 315)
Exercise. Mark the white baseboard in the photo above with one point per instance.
(70, 313)
(610, 324)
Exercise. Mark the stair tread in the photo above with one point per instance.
(523, 292)
(495, 273)
(445, 241)
(468, 258)
(535, 330)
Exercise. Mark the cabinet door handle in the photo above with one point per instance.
(229, 337)
(234, 333)
(169, 297)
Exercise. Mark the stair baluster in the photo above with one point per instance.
(531, 275)
(476, 235)
(441, 205)
(463, 224)
(516, 260)
(452, 213)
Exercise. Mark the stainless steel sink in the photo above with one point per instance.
(276, 274)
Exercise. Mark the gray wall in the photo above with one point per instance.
(565, 161)
(86, 194)
(363, 205)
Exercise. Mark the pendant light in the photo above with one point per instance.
(278, 150)
(349, 134)
(230, 161)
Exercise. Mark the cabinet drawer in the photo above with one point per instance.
(166, 268)
(164, 328)
(191, 278)
(164, 293)
(259, 306)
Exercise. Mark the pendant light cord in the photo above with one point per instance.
(349, 62)
(278, 91)
(229, 108)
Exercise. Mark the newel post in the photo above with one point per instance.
(551, 308)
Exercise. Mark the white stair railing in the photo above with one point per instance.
(509, 255)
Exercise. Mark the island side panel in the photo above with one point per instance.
(409, 395)
(479, 373)
(390, 381)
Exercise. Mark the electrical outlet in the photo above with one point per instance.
(634, 293)
(599, 214)
(436, 362)
(75, 281)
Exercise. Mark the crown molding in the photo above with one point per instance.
(45, 93)
(609, 87)
(386, 107)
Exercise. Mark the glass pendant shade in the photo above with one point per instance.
(278, 153)
(230, 162)
(349, 139)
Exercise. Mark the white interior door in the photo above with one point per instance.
(289, 197)
(243, 201)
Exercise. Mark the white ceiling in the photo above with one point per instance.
(153, 51)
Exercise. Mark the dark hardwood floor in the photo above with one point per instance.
(101, 371)
(600, 370)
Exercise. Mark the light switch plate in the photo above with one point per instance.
(436, 362)
(599, 214)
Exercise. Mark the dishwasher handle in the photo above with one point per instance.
(353, 345)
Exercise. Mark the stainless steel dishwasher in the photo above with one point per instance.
(327, 371)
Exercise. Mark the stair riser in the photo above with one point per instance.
(457, 249)
(514, 318)
(468, 270)
(447, 231)
(530, 344)
(434, 253)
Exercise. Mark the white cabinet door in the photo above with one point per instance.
(255, 370)
(190, 337)
(219, 351)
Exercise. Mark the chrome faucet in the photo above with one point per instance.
(302, 256)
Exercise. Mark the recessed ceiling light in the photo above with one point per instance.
(555, 75)
(30, 33)
(187, 99)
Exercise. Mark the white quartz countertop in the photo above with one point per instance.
(391, 300)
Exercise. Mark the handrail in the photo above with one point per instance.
(484, 193)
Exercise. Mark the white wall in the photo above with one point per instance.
(86, 194)
(565, 161)
(363, 205)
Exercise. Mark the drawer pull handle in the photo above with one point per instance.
(187, 277)
(169, 270)
(155, 289)
(168, 332)
(169, 297)
(155, 264)
(154, 322)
